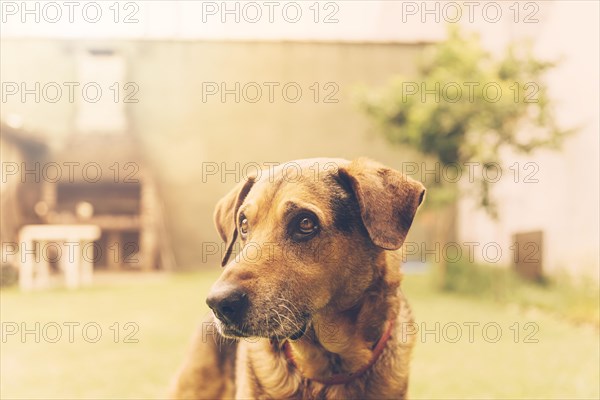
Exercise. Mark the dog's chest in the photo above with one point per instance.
(264, 375)
(307, 390)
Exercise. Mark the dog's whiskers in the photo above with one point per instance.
(281, 327)
(295, 325)
(291, 304)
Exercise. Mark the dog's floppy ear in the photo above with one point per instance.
(225, 214)
(387, 199)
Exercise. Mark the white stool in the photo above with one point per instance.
(70, 239)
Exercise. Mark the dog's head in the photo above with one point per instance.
(310, 233)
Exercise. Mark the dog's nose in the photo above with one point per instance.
(229, 304)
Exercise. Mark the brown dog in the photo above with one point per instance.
(313, 297)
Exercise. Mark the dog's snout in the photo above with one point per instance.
(229, 304)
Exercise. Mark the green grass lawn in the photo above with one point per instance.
(564, 363)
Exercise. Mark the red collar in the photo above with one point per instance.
(342, 379)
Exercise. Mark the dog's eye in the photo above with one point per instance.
(302, 227)
(243, 226)
(307, 225)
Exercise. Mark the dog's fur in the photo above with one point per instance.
(329, 297)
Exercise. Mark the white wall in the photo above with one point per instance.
(565, 203)
(239, 20)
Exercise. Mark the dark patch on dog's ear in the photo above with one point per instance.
(225, 215)
(387, 200)
(344, 207)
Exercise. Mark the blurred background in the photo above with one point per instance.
(124, 122)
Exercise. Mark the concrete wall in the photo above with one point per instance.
(179, 132)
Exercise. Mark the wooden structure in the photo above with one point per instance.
(94, 189)
(109, 187)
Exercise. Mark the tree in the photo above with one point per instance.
(465, 106)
